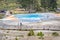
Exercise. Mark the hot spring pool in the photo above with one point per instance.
(33, 17)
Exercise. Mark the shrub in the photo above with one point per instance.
(55, 34)
(40, 34)
(31, 33)
(16, 38)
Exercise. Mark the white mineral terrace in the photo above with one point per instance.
(45, 26)
(12, 22)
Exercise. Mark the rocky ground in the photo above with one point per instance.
(22, 35)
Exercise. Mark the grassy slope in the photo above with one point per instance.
(1, 16)
(58, 3)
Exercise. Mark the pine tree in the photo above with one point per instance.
(53, 5)
(50, 5)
